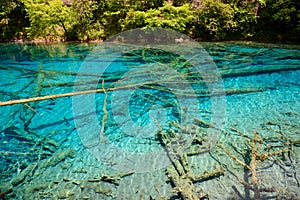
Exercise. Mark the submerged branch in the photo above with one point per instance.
(105, 114)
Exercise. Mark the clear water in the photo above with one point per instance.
(260, 91)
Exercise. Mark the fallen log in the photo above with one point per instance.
(55, 96)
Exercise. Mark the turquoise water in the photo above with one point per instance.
(61, 148)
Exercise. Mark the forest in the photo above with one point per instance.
(204, 20)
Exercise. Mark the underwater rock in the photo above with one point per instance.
(38, 187)
(100, 188)
(103, 190)
(63, 194)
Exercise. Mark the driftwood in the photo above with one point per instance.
(35, 169)
(180, 172)
(183, 68)
(105, 114)
(256, 158)
(12, 102)
(2, 195)
(158, 54)
(101, 90)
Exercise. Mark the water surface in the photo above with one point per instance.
(48, 147)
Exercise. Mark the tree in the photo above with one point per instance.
(50, 19)
(176, 18)
(113, 16)
(97, 19)
(246, 14)
(12, 20)
(87, 24)
(281, 16)
(145, 4)
(181, 2)
(214, 20)
(134, 19)
(152, 4)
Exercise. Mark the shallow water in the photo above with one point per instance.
(62, 147)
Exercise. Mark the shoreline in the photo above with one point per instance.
(248, 41)
(275, 39)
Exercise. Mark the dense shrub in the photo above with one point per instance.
(96, 19)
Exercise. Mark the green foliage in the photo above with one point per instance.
(49, 19)
(154, 4)
(246, 15)
(114, 13)
(12, 20)
(246, 20)
(281, 17)
(96, 19)
(176, 18)
(168, 16)
(87, 26)
(286, 13)
(112, 22)
(181, 2)
(215, 20)
(134, 19)
(151, 4)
